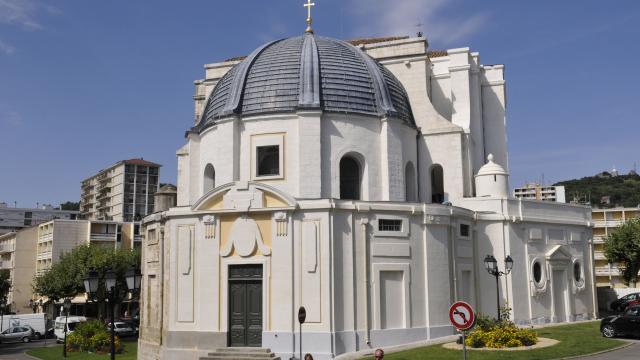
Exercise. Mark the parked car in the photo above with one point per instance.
(621, 304)
(627, 323)
(124, 329)
(22, 333)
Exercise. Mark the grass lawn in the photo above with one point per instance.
(578, 339)
(130, 352)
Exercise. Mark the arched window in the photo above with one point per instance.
(209, 179)
(349, 178)
(410, 193)
(437, 184)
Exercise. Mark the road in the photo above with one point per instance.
(627, 353)
(16, 351)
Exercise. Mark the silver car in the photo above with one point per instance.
(17, 333)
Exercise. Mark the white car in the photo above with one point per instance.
(123, 329)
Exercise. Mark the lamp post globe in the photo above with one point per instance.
(133, 277)
(491, 264)
(91, 283)
(508, 264)
(110, 280)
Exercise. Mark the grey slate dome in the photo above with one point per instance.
(307, 72)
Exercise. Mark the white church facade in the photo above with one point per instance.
(352, 180)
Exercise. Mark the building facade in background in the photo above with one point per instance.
(604, 222)
(365, 181)
(15, 218)
(18, 255)
(122, 192)
(57, 237)
(535, 191)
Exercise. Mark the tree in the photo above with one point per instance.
(65, 278)
(622, 246)
(5, 285)
(70, 205)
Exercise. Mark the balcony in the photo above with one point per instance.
(607, 223)
(605, 271)
(5, 264)
(7, 248)
(45, 237)
(44, 255)
(102, 237)
(137, 238)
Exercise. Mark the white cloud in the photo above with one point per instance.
(21, 12)
(401, 17)
(6, 49)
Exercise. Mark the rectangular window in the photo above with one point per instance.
(268, 163)
(465, 230)
(389, 225)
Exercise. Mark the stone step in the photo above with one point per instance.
(244, 349)
(241, 353)
(237, 357)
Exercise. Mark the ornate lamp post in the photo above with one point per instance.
(491, 264)
(92, 282)
(67, 306)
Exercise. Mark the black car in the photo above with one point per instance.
(627, 323)
(622, 303)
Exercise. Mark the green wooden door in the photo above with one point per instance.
(245, 305)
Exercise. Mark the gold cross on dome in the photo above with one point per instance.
(308, 5)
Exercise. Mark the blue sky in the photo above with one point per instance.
(85, 83)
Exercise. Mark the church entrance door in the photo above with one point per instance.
(245, 305)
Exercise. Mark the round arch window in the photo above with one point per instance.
(537, 272)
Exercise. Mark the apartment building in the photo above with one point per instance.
(18, 255)
(605, 221)
(122, 192)
(60, 236)
(535, 191)
(15, 218)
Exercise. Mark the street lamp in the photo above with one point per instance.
(491, 264)
(66, 304)
(92, 282)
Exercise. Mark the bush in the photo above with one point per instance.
(490, 332)
(91, 336)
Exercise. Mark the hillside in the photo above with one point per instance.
(622, 190)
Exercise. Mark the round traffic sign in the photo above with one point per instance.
(461, 315)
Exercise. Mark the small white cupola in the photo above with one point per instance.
(492, 180)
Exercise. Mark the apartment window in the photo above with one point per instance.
(268, 163)
(389, 225)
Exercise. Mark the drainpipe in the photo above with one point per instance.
(365, 247)
(418, 136)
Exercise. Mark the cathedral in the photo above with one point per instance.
(366, 181)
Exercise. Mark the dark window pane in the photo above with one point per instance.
(349, 179)
(268, 160)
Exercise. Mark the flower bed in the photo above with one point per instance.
(91, 336)
(496, 334)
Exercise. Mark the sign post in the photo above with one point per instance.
(302, 316)
(462, 318)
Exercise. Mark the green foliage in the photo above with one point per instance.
(70, 205)
(622, 246)
(91, 336)
(623, 190)
(65, 278)
(5, 285)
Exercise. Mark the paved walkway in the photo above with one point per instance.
(628, 353)
(16, 351)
